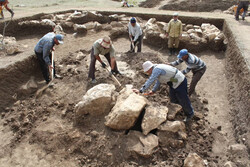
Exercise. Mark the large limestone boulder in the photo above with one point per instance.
(116, 24)
(175, 127)
(154, 116)
(194, 160)
(173, 109)
(142, 145)
(185, 37)
(96, 101)
(90, 25)
(48, 22)
(126, 110)
(80, 29)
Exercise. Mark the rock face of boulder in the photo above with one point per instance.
(173, 109)
(142, 145)
(80, 29)
(153, 117)
(194, 160)
(96, 101)
(172, 134)
(126, 110)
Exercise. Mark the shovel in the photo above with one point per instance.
(113, 77)
(41, 91)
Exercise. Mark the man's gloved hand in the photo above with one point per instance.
(103, 65)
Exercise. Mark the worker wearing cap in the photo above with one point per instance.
(242, 4)
(193, 63)
(166, 74)
(174, 32)
(43, 51)
(102, 47)
(135, 35)
(5, 4)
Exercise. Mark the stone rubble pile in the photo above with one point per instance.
(124, 109)
(9, 46)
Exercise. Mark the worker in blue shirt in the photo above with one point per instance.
(166, 74)
(43, 51)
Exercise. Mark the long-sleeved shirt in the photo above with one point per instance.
(162, 74)
(134, 31)
(45, 45)
(174, 28)
(193, 63)
(98, 49)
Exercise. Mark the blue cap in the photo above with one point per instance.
(182, 53)
(59, 37)
(132, 20)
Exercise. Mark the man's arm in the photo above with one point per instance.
(187, 70)
(154, 76)
(46, 53)
(176, 62)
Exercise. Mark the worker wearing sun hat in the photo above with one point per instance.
(5, 4)
(135, 35)
(174, 32)
(166, 74)
(104, 47)
(43, 51)
(193, 63)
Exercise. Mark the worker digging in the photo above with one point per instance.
(104, 47)
(166, 74)
(173, 33)
(4, 3)
(135, 35)
(43, 50)
(193, 63)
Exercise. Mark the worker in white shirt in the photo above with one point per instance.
(135, 35)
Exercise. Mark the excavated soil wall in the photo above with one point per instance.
(238, 74)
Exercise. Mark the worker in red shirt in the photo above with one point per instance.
(4, 3)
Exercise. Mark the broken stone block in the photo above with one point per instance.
(126, 110)
(80, 29)
(98, 100)
(90, 25)
(142, 145)
(60, 17)
(107, 27)
(193, 160)
(154, 116)
(98, 26)
(173, 109)
(229, 164)
(48, 22)
(190, 31)
(175, 127)
(195, 37)
(185, 37)
(116, 24)
(151, 21)
(189, 26)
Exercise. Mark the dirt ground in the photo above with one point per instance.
(191, 5)
(41, 131)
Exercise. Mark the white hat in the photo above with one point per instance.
(106, 42)
(147, 65)
(175, 14)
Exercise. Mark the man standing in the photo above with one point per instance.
(193, 63)
(242, 4)
(5, 4)
(135, 35)
(174, 33)
(104, 47)
(166, 74)
(43, 51)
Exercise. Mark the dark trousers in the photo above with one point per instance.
(44, 66)
(139, 41)
(195, 79)
(244, 5)
(180, 96)
(92, 64)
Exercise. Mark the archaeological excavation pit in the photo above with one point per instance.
(46, 126)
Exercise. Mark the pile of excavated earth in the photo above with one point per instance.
(76, 123)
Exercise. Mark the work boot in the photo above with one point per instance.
(174, 51)
(93, 81)
(243, 18)
(188, 119)
(58, 76)
(170, 51)
(237, 18)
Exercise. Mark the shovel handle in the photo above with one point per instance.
(114, 78)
